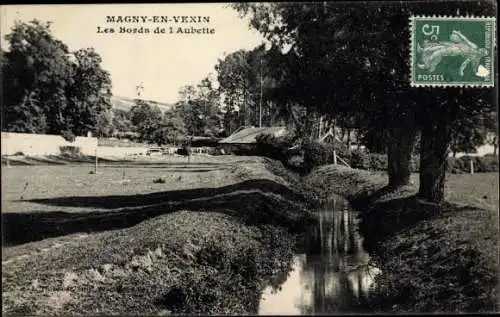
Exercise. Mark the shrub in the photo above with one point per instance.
(315, 154)
(482, 164)
(273, 147)
(374, 161)
(341, 150)
(241, 149)
(489, 163)
(377, 162)
(214, 151)
(453, 165)
(70, 150)
(68, 135)
(18, 153)
(295, 161)
(182, 151)
(359, 159)
(159, 180)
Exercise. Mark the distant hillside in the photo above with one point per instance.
(124, 103)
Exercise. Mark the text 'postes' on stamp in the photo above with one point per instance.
(452, 51)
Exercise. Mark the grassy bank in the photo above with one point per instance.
(204, 241)
(185, 262)
(434, 258)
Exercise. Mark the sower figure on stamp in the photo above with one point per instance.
(459, 45)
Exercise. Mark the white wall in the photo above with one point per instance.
(481, 150)
(43, 144)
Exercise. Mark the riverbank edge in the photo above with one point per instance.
(218, 276)
(434, 258)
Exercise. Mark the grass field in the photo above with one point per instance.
(23, 184)
(434, 258)
(205, 237)
(120, 242)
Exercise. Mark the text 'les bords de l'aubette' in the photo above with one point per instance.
(157, 30)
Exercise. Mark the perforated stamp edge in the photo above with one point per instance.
(412, 20)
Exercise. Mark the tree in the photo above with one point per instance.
(441, 115)
(121, 120)
(36, 72)
(232, 75)
(373, 138)
(210, 101)
(146, 119)
(491, 127)
(336, 47)
(199, 109)
(46, 92)
(89, 94)
(172, 129)
(492, 139)
(247, 80)
(104, 126)
(467, 135)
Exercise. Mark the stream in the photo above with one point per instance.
(330, 272)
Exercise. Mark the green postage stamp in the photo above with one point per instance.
(452, 51)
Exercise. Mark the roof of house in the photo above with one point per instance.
(248, 135)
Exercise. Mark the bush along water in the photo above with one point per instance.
(229, 275)
(433, 258)
(299, 155)
(482, 164)
(273, 147)
(304, 155)
(378, 162)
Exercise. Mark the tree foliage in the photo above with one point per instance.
(146, 119)
(468, 133)
(44, 90)
(196, 113)
(173, 128)
(121, 120)
(350, 61)
(200, 110)
(248, 84)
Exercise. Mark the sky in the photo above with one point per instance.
(163, 63)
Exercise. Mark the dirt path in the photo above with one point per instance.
(53, 246)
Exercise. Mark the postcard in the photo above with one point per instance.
(250, 158)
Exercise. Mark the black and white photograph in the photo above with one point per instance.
(250, 158)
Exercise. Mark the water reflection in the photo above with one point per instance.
(330, 272)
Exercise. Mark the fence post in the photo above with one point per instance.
(471, 166)
(95, 167)
(334, 157)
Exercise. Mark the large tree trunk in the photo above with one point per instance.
(348, 140)
(495, 146)
(320, 129)
(244, 105)
(399, 150)
(436, 136)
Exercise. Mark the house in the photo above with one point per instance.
(245, 138)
